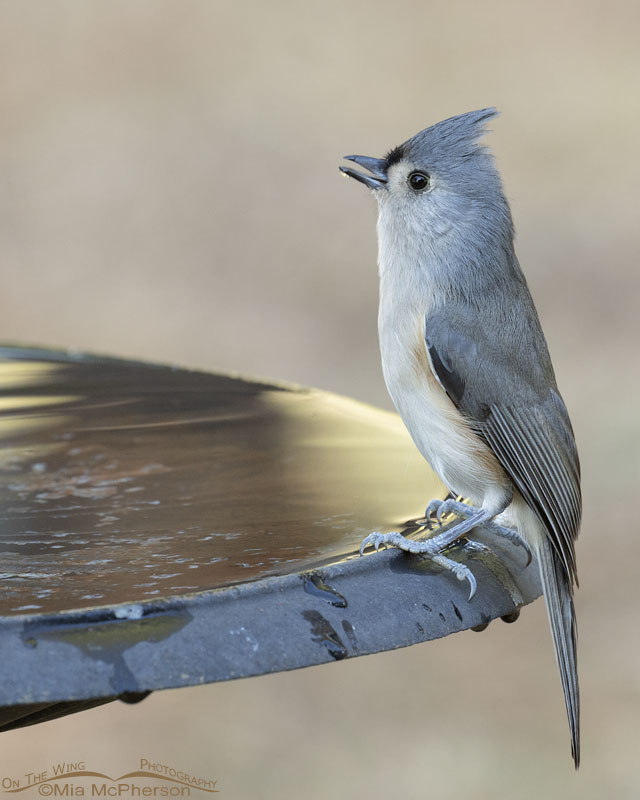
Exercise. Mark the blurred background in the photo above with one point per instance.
(170, 191)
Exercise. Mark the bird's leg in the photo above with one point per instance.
(434, 546)
(474, 518)
(431, 548)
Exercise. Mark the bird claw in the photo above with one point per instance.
(375, 540)
(512, 536)
(443, 511)
(443, 508)
(462, 572)
(431, 548)
(434, 510)
(434, 546)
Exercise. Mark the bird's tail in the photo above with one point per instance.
(558, 594)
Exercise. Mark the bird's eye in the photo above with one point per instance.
(418, 181)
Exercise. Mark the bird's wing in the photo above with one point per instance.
(506, 390)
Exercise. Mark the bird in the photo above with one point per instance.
(467, 366)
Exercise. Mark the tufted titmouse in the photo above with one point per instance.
(467, 366)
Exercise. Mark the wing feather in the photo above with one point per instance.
(514, 405)
(520, 439)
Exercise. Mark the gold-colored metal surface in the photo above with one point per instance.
(125, 482)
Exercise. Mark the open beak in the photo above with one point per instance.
(376, 166)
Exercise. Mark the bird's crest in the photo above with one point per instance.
(457, 137)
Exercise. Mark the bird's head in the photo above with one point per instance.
(442, 179)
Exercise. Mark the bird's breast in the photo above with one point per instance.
(462, 460)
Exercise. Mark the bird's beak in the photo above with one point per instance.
(376, 166)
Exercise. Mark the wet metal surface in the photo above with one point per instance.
(120, 482)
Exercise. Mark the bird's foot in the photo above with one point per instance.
(434, 546)
(473, 518)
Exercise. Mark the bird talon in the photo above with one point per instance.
(431, 511)
(473, 586)
(462, 573)
(367, 541)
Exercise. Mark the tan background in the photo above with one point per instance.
(169, 190)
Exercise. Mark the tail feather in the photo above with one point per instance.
(558, 594)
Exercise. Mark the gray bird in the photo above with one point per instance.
(467, 365)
